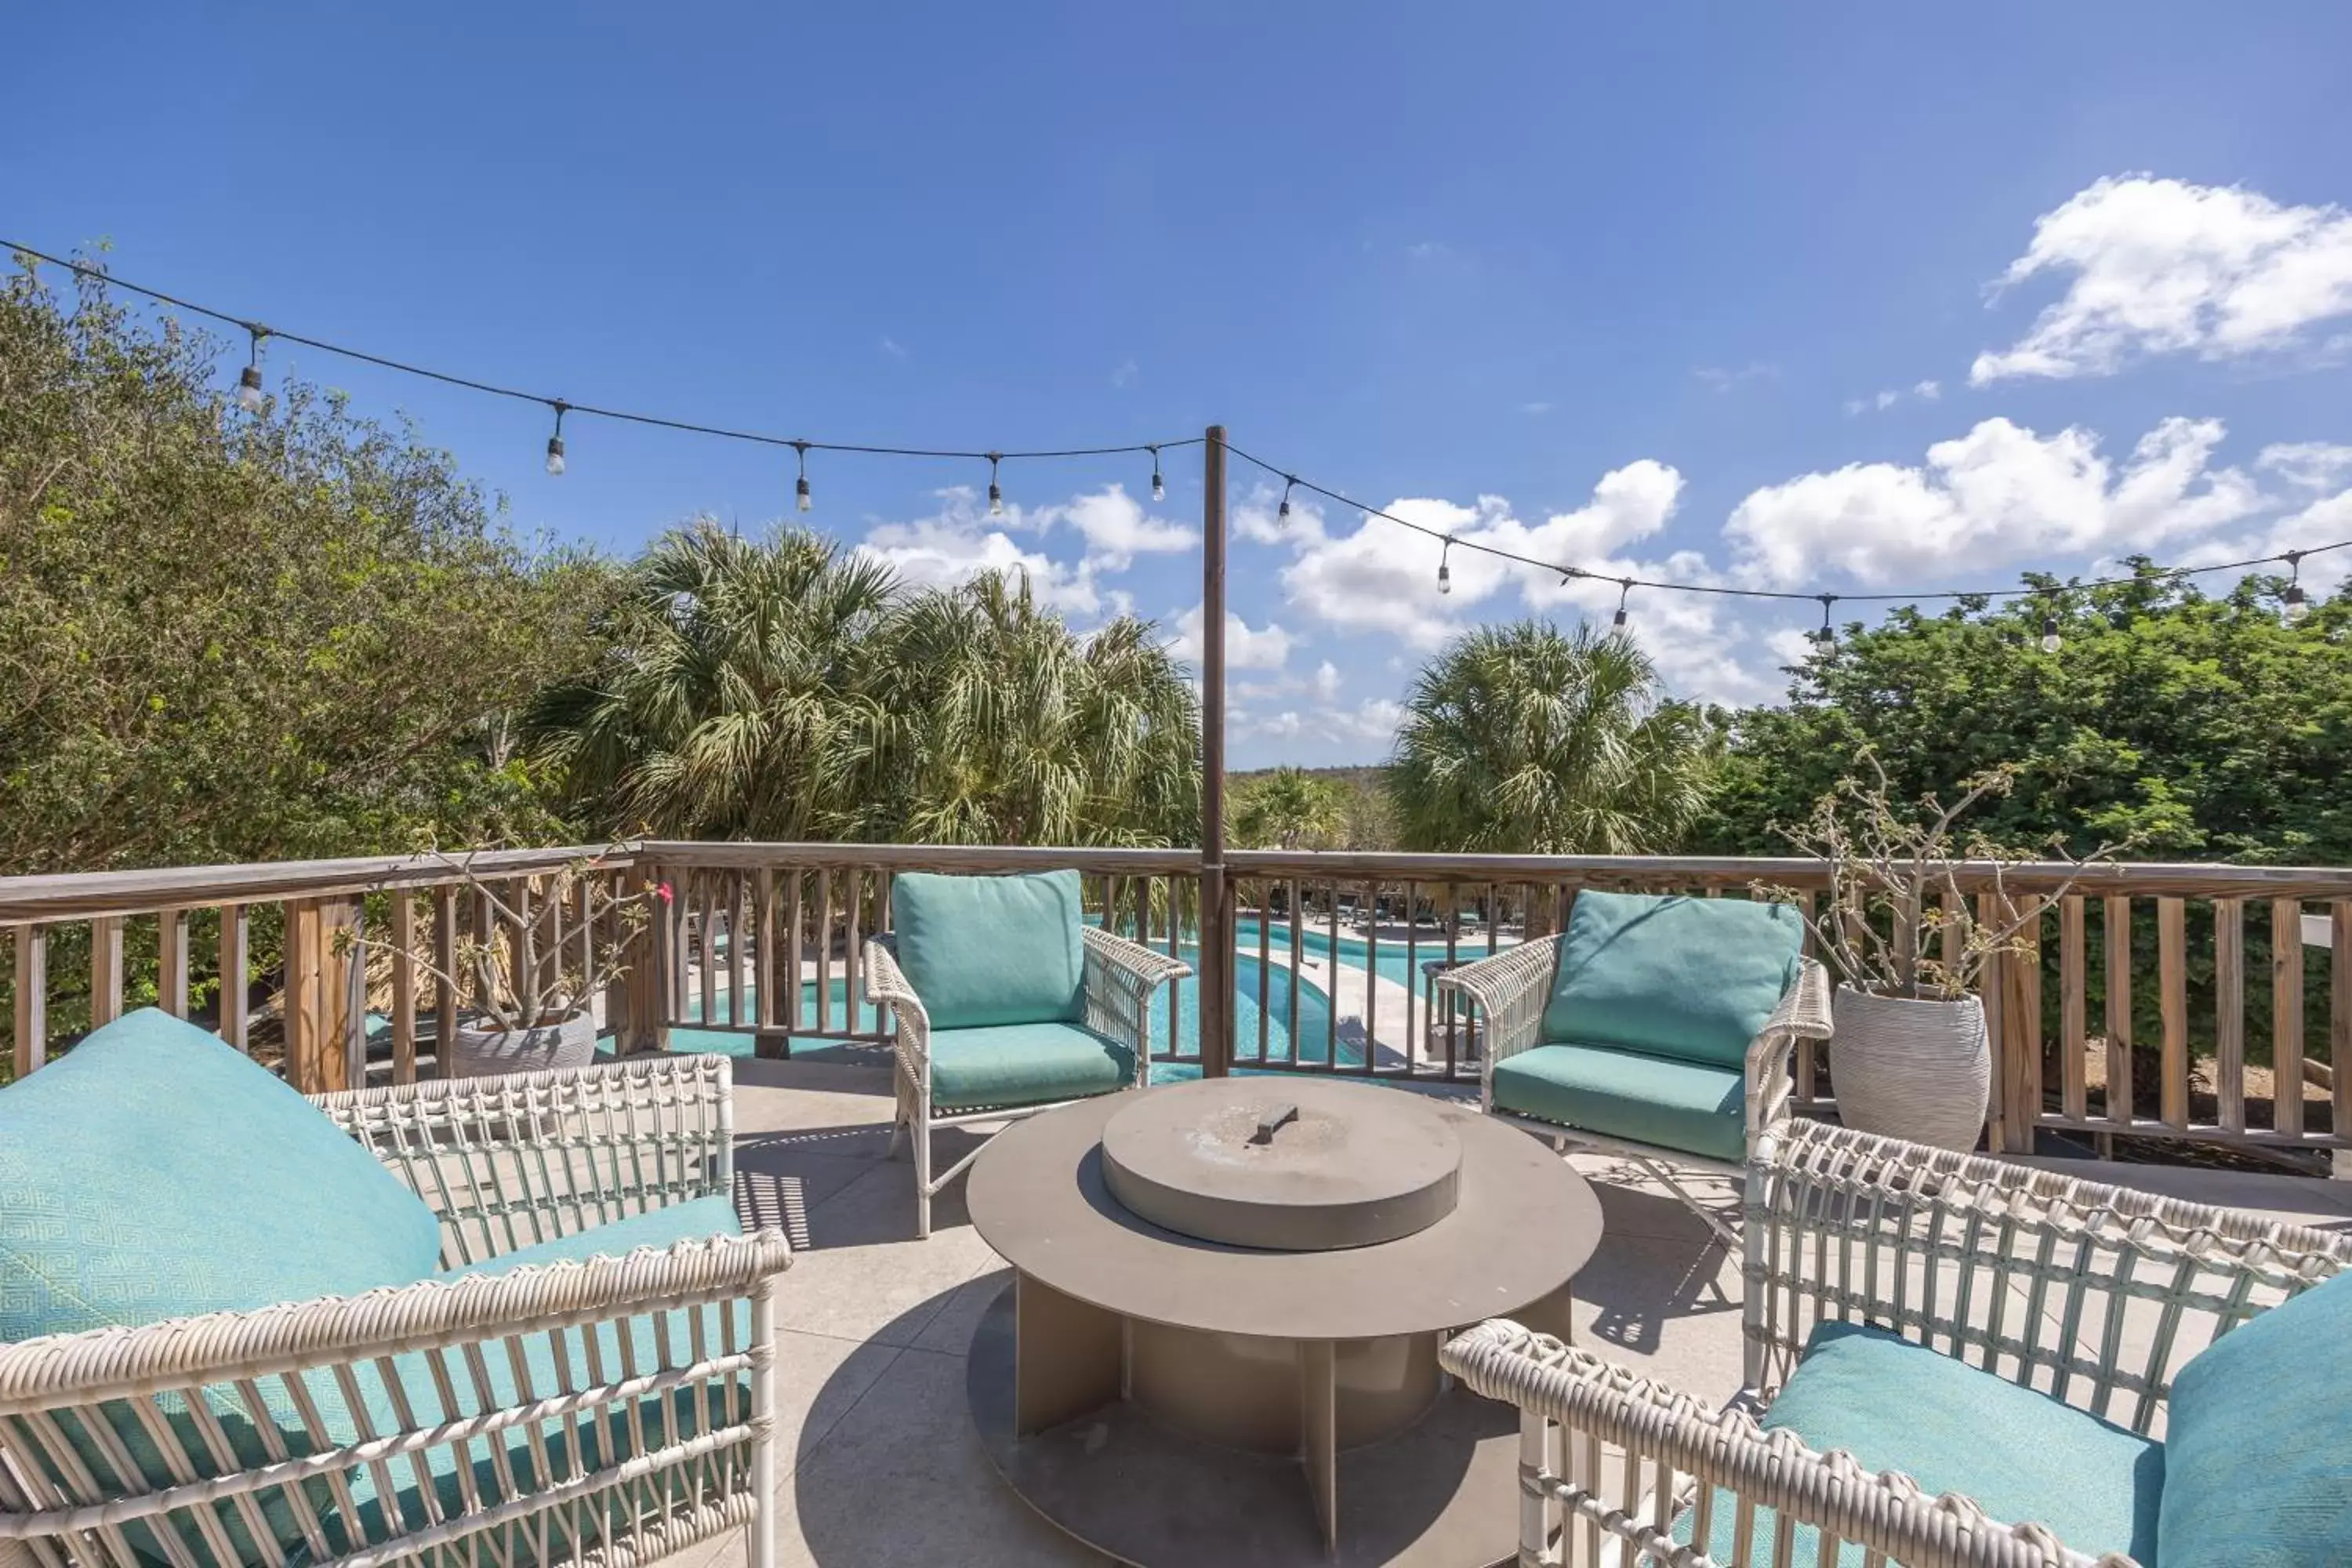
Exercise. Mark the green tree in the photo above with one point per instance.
(1288, 809)
(1007, 727)
(729, 700)
(1529, 739)
(239, 637)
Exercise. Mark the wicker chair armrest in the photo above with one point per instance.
(1110, 955)
(1121, 978)
(886, 985)
(1509, 989)
(1712, 1452)
(275, 1369)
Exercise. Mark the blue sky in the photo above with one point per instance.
(1654, 288)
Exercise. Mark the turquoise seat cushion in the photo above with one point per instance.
(153, 1172)
(1692, 978)
(2258, 1440)
(1025, 1064)
(2025, 1457)
(1691, 1106)
(689, 1221)
(982, 951)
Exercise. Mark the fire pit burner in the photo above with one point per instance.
(1303, 1167)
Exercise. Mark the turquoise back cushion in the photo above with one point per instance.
(153, 1172)
(2258, 1441)
(1693, 978)
(992, 949)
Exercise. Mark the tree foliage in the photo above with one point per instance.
(781, 688)
(1288, 808)
(1529, 739)
(236, 637)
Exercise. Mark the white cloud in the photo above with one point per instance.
(1375, 719)
(1117, 528)
(1246, 647)
(2324, 522)
(1533, 408)
(1997, 495)
(1125, 374)
(957, 544)
(2306, 464)
(1720, 379)
(1887, 397)
(890, 347)
(2159, 267)
(1927, 391)
(1326, 681)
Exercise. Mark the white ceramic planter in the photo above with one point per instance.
(1912, 1069)
(485, 1053)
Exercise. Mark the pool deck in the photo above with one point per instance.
(880, 1465)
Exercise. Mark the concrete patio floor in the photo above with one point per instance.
(880, 1463)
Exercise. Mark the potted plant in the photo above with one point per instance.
(526, 979)
(1909, 1057)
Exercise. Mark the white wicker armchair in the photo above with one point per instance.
(2095, 1295)
(1509, 992)
(1121, 979)
(599, 1412)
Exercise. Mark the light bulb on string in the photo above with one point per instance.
(1281, 513)
(801, 499)
(1827, 636)
(2051, 640)
(1444, 572)
(2298, 603)
(249, 380)
(1158, 486)
(995, 490)
(555, 442)
(1625, 592)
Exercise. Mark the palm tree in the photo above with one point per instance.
(1006, 728)
(1527, 739)
(1286, 808)
(730, 702)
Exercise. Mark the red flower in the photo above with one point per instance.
(661, 891)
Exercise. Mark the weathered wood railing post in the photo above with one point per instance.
(320, 1015)
(636, 1004)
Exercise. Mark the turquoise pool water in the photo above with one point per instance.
(1255, 993)
(1393, 960)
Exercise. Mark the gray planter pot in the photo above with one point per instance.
(1911, 1067)
(486, 1052)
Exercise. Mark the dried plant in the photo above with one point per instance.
(531, 967)
(1896, 922)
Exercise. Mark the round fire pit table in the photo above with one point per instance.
(1220, 1343)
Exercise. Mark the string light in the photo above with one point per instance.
(1625, 592)
(1444, 572)
(801, 501)
(2297, 606)
(248, 381)
(1158, 487)
(995, 490)
(1827, 636)
(555, 442)
(2051, 640)
(1281, 513)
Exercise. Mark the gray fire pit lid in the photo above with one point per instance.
(1295, 1166)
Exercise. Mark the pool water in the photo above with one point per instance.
(1393, 960)
(1255, 993)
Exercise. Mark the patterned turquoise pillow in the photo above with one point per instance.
(153, 1172)
(981, 951)
(2258, 1441)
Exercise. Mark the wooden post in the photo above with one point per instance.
(32, 998)
(636, 1005)
(1216, 908)
(318, 994)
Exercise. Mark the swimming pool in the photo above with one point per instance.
(1254, 993)
(1393, 960)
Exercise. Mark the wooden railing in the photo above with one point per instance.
(254, 953)
(2140, 1012)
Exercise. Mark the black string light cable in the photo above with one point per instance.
(249, 390)
(2292, 559)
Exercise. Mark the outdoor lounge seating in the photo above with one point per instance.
(1005, 1002)
(1961, 1362)
(1650, 1025)
(507, 1320)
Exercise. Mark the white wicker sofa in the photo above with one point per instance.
(542, 1336)
(2041, 1379)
